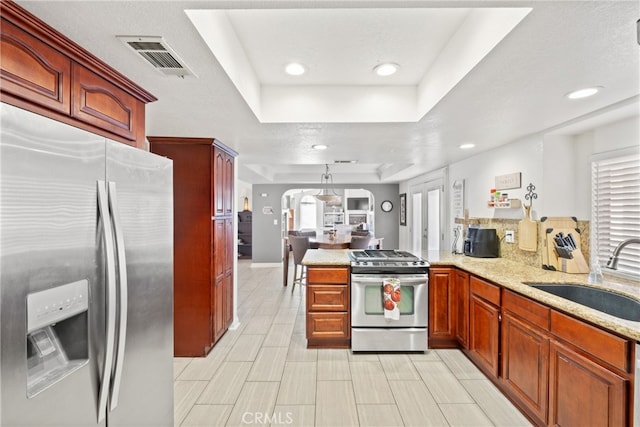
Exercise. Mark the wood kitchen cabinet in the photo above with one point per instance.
(557, 369)
(44, 72)
(484, 325)
(204, 241)
(525, 353)
(328, 305)
(442, 309)
(590, 372)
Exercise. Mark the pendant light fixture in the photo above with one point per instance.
(327, 194)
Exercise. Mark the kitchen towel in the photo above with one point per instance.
(391, 298)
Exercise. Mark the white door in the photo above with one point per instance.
(426, 217)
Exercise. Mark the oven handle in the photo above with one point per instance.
(405, 279)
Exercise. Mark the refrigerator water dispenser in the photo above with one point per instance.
(57, 334)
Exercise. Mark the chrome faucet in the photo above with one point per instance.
(613, 260)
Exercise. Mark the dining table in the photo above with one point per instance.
(322, 242)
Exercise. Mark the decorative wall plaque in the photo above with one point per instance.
(506, 182)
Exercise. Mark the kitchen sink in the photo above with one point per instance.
(599, 299)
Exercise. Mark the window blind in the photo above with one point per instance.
(616, 210)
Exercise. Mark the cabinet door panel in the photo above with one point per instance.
(101, 104)
(337, 275)
(327, 298)
(218, 181)
(328, 326)
(583, 393)
(228, 185)
(33, 71)
(441, 308)
(484, 326)
(525, 365)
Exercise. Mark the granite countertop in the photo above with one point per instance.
(513, 275)
(327, 257)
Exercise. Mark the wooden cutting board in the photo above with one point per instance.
(528, 232)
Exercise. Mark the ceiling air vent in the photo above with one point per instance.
(158, 53)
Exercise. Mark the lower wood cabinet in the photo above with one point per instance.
(484, 325)
(442, 310)
(525, 354)
(328, 303)
(584, 393)
(557, 369)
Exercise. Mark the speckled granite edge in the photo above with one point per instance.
(326, 257)
(513, 275)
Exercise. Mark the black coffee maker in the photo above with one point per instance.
(482, 243)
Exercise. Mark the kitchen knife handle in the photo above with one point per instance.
(105, 219)
(123, 293)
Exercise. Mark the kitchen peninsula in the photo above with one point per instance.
(539, 349)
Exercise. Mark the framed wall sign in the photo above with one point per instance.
(509, 181)
(403, 209)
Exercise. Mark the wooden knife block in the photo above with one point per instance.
(577, 264)
(550, 259)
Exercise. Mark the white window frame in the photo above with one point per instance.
(615, 209)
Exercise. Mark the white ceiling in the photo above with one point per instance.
(509, 88)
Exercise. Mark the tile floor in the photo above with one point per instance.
(262, 374)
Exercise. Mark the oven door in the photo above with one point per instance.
(367, 301)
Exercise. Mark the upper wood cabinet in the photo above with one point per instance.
(222, 194)
(99, 103)
(44, 72)
(32, 70)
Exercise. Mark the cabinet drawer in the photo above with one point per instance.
(527, 309)
(328, 275)
(101, 104)
(34, 71)
(327, 298)
(485, 290)
(609, 348)
(328, 326)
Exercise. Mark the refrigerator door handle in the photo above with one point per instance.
(123, 291)
(103, 209)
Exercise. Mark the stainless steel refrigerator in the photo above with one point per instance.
(86, 278)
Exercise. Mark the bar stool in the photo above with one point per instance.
(299, 246)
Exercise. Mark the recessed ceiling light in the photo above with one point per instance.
(386, 69)
(467, 146)
(295, 69)
(319, 147)
(583, 93)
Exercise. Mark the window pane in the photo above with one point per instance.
(616, 210)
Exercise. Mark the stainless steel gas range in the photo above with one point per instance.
(389, 305)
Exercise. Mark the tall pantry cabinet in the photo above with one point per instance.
(204, 240)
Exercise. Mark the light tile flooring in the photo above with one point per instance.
(262, 374)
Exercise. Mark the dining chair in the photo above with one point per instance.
(299, 246)
(359, 242)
